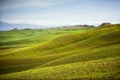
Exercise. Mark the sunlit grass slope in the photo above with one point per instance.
(103, 69)
(21, 38)
(73, 54)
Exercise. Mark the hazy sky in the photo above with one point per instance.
(59, 12)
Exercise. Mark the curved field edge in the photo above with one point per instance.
(23, 38)
(16, 65)
(107, 69)
(80, 56)
(95, 44)
(62, 43)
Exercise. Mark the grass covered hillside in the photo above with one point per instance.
(83, 54)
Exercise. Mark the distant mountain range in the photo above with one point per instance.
(7, 26)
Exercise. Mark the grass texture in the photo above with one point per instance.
(84, 54)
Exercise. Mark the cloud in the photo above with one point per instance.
(37, 22)
(57, 12)
(16, 4)
(51, 23)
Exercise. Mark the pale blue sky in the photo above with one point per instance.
(59, 12)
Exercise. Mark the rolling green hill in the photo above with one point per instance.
(89, 53)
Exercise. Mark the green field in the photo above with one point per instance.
(82, 54)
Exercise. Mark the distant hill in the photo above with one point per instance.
(73, 27)
(7, 26)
